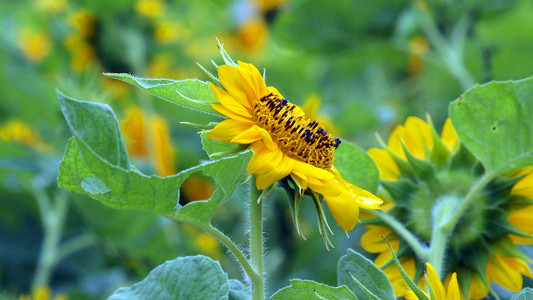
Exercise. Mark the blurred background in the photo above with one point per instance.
(360, 67)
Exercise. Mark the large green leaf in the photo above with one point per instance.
(307, 289)
(494, 121)
(368, 275)
(190, 93)
(191, 277)
(356, 166)
(83, 170)
(524, 294)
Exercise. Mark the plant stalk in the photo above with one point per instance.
(256, 242)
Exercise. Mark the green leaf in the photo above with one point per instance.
(96, 125)
(191, 277)
(307, 289)
(494, 122)
(238, 290)
(356, 166)
(364, 270)
(190, 93)
(84, 171)
(525, 294)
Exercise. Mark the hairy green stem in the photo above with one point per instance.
(53, 217)
(440, 234)
(226, 241)
(256, 242)
(420, 250)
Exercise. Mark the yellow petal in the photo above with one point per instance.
(256, 78)
(283, 169)
(263, 160)
(453, 292)
(344, 209)
(323, 187)
(239, 83)
(507, 271)
(421, 131)
(449, 136)
(304, 169)
(364, 198)
(373, 242)
(478, 289)
(228, 113)
(524, 187)
(231, 103)
(248, 136)
(388, 169)
(228, 129)
(395, 141)
(523, 218)
(300, 181)
(435, 282)
(410, 295)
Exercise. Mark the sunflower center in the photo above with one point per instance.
(296, 135)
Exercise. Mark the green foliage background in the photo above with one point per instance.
(354, 55)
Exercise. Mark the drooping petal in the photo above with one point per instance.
(344, 209)
(365, 199)
(304, 169)
(478, 289)
(283, 169)
(228, 129)
(507, 271)
(524, 187)
(373, 242)
(263, 160)
(435, 282)
(231, 103)
(523, 218)
(388, 169)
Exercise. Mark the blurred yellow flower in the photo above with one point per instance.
(205, 243)
(195, 188)
(83, 22)
(82, 54)
(52, 6)
(16, 131)
(43, 293)
(267, 5)
(34, 44)
(285, 142)
(150, 8)
(167, 32)
(252, 35)
(418, 48)
(149, 137)
(441, 293)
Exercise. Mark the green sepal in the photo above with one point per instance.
(439, 153)
(294, 195)
(425, 172)
(499, 225)
(465, 280)
(412, 285)
(322, 220)
(519, 201)
(499, 190)
(477, 260)
(225, 55)
(400, 191)
(463, 159)
(506, 247)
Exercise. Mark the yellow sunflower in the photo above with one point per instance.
(412, 199)
(284, 142)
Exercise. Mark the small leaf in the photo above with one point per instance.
(307, 289)
(494, 122)
(364, 270)
(524, 294)
(356, 166)
(190, 93)
(238, 290)
(191, 277)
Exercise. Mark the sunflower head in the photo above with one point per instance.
(287, 145)
(420, 173)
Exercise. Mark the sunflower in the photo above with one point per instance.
(285, 143)
(419, 169)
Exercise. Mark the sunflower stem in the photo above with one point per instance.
(256, 242)
(420, 250)
(440, 233)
